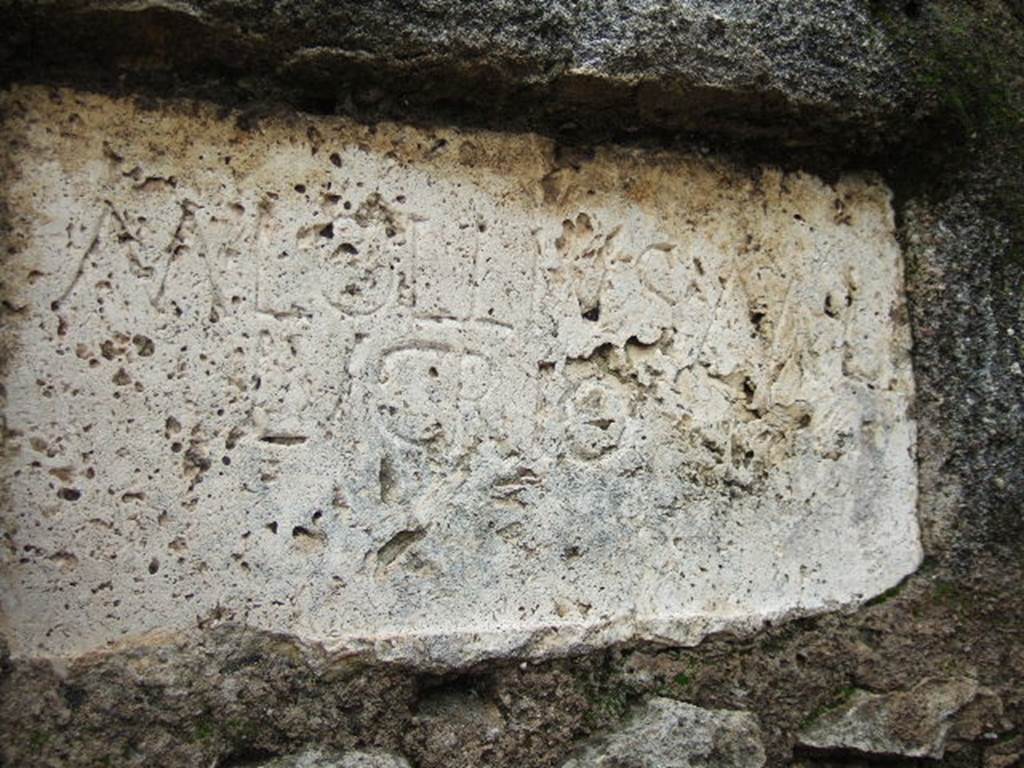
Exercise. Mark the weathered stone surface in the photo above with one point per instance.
(316, 758)
(806, 72)
(226, 693)
(912, 723)
(672, 734)
(435, 396)
(967, 276)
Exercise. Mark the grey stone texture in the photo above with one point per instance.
(672, 734)
(913, 723)
(316, 758)
(797, 71)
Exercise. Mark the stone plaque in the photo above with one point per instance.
(436, 395)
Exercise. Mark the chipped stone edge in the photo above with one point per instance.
(445, 652)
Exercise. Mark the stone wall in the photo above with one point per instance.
(488, 384)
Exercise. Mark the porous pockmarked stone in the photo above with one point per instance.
(436, 395)
(673, 734)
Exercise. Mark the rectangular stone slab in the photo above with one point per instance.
(436, 395)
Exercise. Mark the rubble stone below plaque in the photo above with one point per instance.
(316, 758)
(673, 734)
(912, 723)
(437, 395)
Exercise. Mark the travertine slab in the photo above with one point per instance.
(434, 394)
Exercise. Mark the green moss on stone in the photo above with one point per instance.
(204, 730)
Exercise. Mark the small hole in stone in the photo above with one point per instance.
(272, 527)
(432, 371)
(592, 314)
(335, 159)
(300, 188)
(70, 494)
(830, 308)
(749, 389)
(327, 231)
(143, 345)
(350, 249)
(154, 566)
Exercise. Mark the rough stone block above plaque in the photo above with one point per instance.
(437, 395)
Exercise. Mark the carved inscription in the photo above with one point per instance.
(391, 394)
